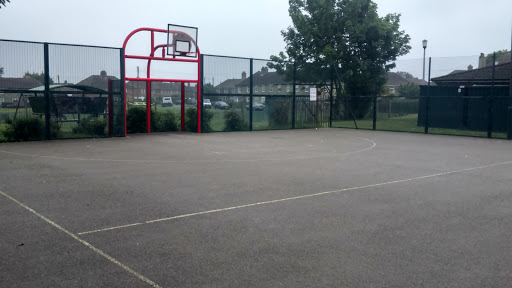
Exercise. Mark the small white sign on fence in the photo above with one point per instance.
(312, 94)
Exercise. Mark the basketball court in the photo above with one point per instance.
(296, 208)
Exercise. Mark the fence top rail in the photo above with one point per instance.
(60, 44)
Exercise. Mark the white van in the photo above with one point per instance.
(166, 101)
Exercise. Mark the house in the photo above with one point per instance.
(136, 91)
(394, 81)
(97, 81)
(477, 77)
(230, 86)
(503, 59)
(25, 83)
(267, 82)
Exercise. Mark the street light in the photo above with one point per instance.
(424, 52)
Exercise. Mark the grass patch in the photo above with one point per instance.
(409, 123)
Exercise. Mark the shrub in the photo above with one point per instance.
(91, 125)
(163, 121)
(279, 111)
(191, 120)
(136, 120)
(233, 121)
(29, 129)
(207, 117)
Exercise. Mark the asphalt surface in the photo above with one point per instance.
(247, 210)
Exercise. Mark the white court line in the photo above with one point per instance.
(196, 161)
(110, 258)
(296, 197)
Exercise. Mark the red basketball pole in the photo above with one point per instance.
(148, 83)
(199, 102)
(148, 80)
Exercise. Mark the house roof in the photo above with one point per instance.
(418, 81)
(481, 76)
(18, 83)
(98, 81)
(265, 78)
(74, 87)
(230, 83)
(505, 58)
(456, 71)
(394, 79)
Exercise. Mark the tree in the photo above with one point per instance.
(349, 35)
(2, 2)
(408, 90)
(489, 57)
(208, 88)
(38, 76)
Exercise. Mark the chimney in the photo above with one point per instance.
(103, 74)
(264, 70)
(481, 61)
(244, 75)
(470, 67)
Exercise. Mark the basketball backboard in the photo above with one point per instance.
(181, 41)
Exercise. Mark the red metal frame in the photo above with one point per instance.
(148, 80)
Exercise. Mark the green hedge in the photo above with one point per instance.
(136, 120)
(91, 125)
(29, 129)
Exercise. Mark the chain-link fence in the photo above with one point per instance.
(54, 91)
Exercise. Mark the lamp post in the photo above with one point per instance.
(424, 52)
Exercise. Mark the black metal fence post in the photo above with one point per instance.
(330, 97)
(427, 104)
(293, 97)
(202, 91)
(123, 95)
(250, 92)
(375, 113)
(490, 100)
(509, 134)
(47, 114)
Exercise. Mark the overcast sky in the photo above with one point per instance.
(251, 28)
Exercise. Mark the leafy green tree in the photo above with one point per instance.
(2, 3)
(208, 88)
(38, 76)
(489, 57)
(408, 90)
(349, 35)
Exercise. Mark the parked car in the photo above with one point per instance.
(256, 106)
(167, 102)
(221, 105)
(191, 101)
(207, 103)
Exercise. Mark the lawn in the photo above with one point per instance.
(408, 123)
